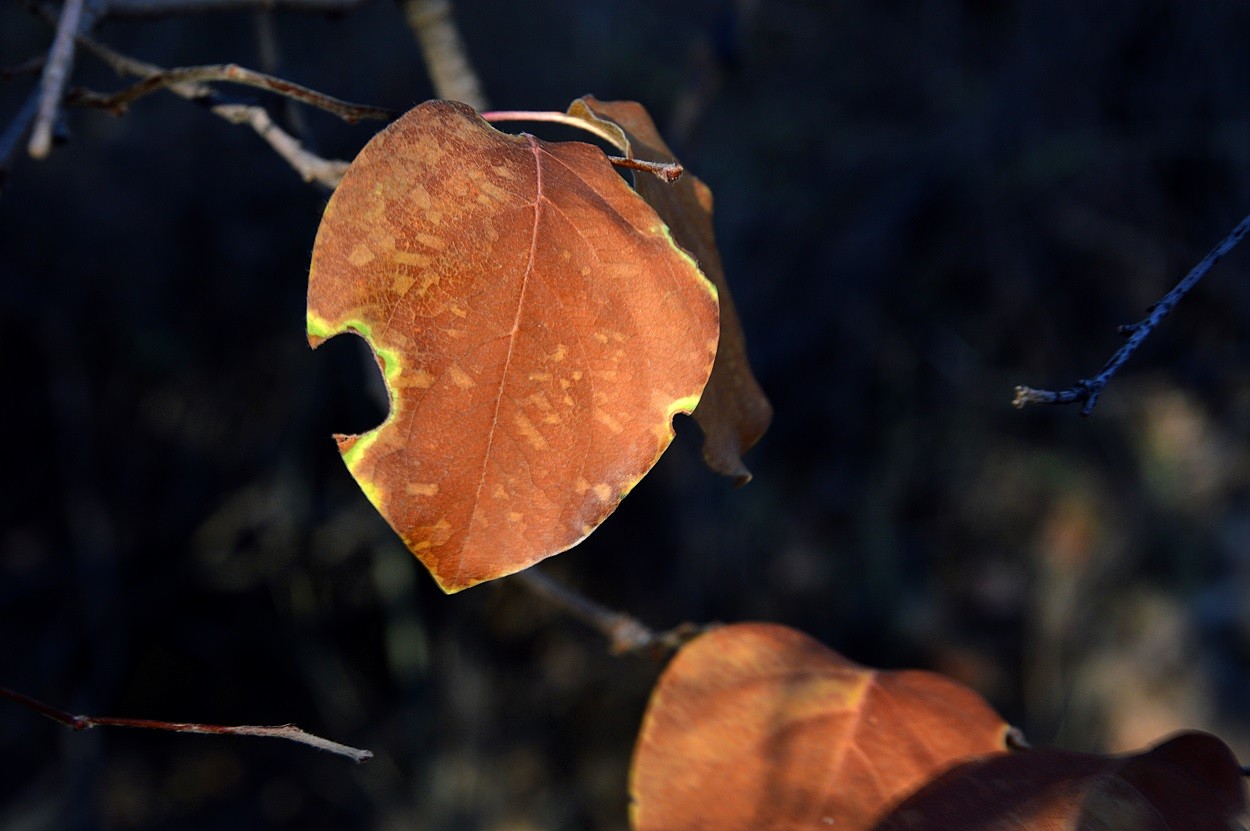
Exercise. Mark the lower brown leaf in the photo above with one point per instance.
(757, 726)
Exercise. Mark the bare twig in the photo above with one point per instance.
(55, 74)
(285, 731)
(624, 633)
(311, 167)
(232, 73)
(445, 56)
(664, 171)
(168, 8)
(1087, 391)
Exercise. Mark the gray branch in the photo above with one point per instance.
(1086, 391)
(56, 73)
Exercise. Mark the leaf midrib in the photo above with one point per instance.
(512, 338)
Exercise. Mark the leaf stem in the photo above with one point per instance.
(284, 731)
(625, 633)
(1086, 391)
(664, 171)
(557, 118)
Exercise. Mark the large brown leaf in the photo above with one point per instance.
(733, 413)
(757, 726)
(1190, 783)
(536, 326)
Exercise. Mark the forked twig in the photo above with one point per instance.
(625, 633)
(311, 167)
(231, 73)
(284, 731)
(1086, 391)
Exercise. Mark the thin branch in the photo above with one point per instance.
(664, 171)
(624, 633)
(167, 8)
(1087, 390)
(232, 73)
(311, 167)
(55, 74)
(285, 731)
(558, 118)
(451, 71)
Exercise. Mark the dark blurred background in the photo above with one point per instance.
(920, 205)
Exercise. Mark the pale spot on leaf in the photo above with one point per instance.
(411, 258)
(361, 255)
(605, 418)
(460, 378)
(527, 429)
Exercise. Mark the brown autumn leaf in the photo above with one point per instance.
(757, 726)
(734, 413)
(536, 326)
(1190, 782)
